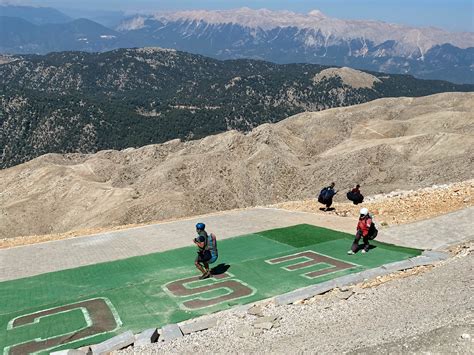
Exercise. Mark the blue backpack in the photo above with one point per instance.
(211, 245)
(325, 194)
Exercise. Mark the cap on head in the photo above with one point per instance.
(200, 226)
(364, 211)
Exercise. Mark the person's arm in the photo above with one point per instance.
(199, 241)
(367, 225)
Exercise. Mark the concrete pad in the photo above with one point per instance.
(146, 337)
(170, 332)
(68, 352)
(103, 247)
(435, 233)
(197, 325)
(437, 255)
(116, 343)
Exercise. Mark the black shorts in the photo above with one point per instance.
(203, 256)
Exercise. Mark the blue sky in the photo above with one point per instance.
(455, 15)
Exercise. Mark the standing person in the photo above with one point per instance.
(203, 254)
(326, 195)
(363, 228)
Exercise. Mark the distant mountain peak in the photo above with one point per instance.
(247, 17)
(379, 32)
(316, 13)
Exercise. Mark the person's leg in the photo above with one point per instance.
(197, 262)
(366, 243)
(328, 204)
(206, 267)
(355, 243)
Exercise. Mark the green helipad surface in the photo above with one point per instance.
(86, 305)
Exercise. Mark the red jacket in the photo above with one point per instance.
(364, 225)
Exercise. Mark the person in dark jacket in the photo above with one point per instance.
(326, 195)
(355, 196)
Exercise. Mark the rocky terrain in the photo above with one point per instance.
(399, 207)
(385, 145)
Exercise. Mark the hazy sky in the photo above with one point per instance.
(456, 15)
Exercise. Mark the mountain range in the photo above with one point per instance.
(276, 36)
(85, 102)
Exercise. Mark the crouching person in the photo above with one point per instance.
(364, 226)
(355, 196)
(207, 250)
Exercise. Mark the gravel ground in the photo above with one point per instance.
(430, 310)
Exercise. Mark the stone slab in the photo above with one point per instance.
(116, 343)
(373, 273)
(146, 337)
(68, 352)
(438, 255)
(304, 293)
(170, 332)
(198, 325)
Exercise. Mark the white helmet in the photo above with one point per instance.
(364, 211)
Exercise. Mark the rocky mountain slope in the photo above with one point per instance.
(84, 102)
(384, 145)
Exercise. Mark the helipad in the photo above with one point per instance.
(85, 305)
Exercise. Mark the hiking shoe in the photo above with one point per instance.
(204, 276)
(350, 252)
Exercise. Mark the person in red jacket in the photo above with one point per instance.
(363, 227)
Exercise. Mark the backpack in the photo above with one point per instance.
(355, 197)
(321, 196)
(325, 195)
(373, 229)
(211, 245)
